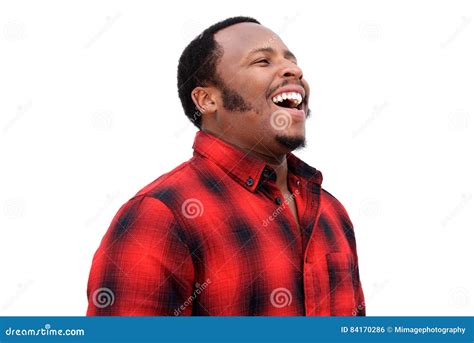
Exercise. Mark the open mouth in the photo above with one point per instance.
(289, 100)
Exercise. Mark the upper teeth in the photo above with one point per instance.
(296, 97)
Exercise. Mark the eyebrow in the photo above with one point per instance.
(287, 53)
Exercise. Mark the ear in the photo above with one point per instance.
(205, 99)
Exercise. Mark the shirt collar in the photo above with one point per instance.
(246, 169)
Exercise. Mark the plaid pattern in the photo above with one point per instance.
(214, 237)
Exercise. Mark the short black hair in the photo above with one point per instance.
(197, 65)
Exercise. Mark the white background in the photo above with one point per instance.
(89, 114)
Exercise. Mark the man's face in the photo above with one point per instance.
(263, 101)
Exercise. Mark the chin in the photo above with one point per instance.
(291, 142)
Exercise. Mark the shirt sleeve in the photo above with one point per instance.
(358, 292)
(143, 266)
(359, 297)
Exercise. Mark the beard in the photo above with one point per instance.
(233, 101)
(292, 143)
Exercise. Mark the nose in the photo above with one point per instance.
(291, 70)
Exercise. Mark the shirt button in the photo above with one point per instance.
(249, 181)
(298, 182)
(278, 201)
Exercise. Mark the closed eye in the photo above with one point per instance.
(263, 61)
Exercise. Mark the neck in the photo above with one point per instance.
(277, 162)
(281, 173)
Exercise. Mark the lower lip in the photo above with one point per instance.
(294, 112)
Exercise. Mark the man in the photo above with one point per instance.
(242, 228)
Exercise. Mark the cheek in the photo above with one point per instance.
(255, 122)
(255, 97)
(265, 123)
(254, 87)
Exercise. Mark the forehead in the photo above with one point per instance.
(240, 39)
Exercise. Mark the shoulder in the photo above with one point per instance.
(187, 181)
(331, 205)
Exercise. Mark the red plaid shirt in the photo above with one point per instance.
(214, 237)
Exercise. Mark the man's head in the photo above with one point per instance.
(239, 81)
